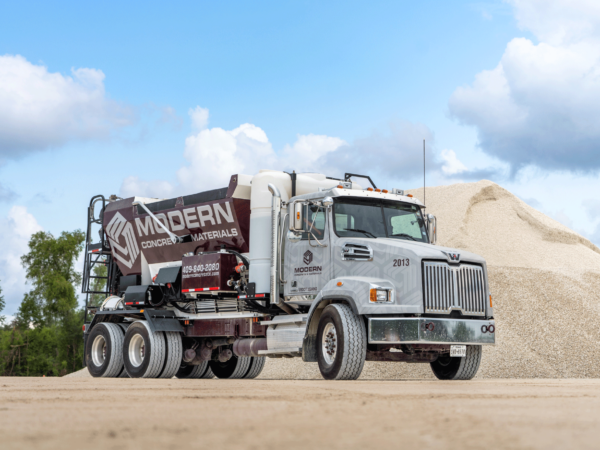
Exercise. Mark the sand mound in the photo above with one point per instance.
(545, 282)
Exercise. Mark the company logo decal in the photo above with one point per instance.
(308, 257)
(453, 257)
(122, 240)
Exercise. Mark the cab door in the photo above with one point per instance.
(307, 265)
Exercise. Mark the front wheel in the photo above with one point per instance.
(461, 368)
(341, 343)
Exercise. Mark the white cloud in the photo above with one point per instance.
(199, 117)
(6, 194)
(40, 109)
(392, 157)
(212, 155)
(452, 165)
(15, 232)
(558, 21)
(308, 150)
(133, 186)
(541, 104)
(592, 208)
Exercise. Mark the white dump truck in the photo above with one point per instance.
(279, 265)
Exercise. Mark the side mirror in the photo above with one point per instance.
(432, 228)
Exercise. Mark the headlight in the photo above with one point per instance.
(379, 295)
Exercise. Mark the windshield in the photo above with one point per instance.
(378, 219)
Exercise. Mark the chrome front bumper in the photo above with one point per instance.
(423, 330)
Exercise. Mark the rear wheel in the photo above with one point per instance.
(143, 351)
(236, 367)
(199, 371)
(461, 368)
(104, 350)
(341, 343)
(257, 364)
(173, 354)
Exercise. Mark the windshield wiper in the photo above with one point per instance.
(404, 235)
(360, 231)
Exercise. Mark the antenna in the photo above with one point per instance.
(424, 174)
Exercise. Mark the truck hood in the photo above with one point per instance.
(419, 250)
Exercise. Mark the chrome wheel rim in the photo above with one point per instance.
(329, 343)
(137, 350)
(99, 350)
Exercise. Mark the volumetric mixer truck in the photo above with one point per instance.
(279, 265)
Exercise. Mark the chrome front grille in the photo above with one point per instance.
(449, 288)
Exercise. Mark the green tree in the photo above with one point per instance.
(46, 337)
(2, 306)
(50, 267)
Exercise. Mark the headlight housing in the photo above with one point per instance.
(377, 295)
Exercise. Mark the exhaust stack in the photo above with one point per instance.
(275, 214)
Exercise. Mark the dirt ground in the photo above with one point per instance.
(77, 413)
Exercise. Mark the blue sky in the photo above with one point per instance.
(98, 99)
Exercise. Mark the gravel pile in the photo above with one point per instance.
(545, 282)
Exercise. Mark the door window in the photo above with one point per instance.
(316, 218)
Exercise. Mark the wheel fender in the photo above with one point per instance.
(328, 295)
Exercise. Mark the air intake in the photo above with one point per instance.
(356, 252)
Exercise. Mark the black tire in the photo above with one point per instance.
(199, 371)
(143, 351)
(462, 368)
(173, 354)
(236, 367)
(104, 350)
(341, 343)
(257, 364)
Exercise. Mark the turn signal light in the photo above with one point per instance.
(491, 301)
(298, 216)
(339, 283)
